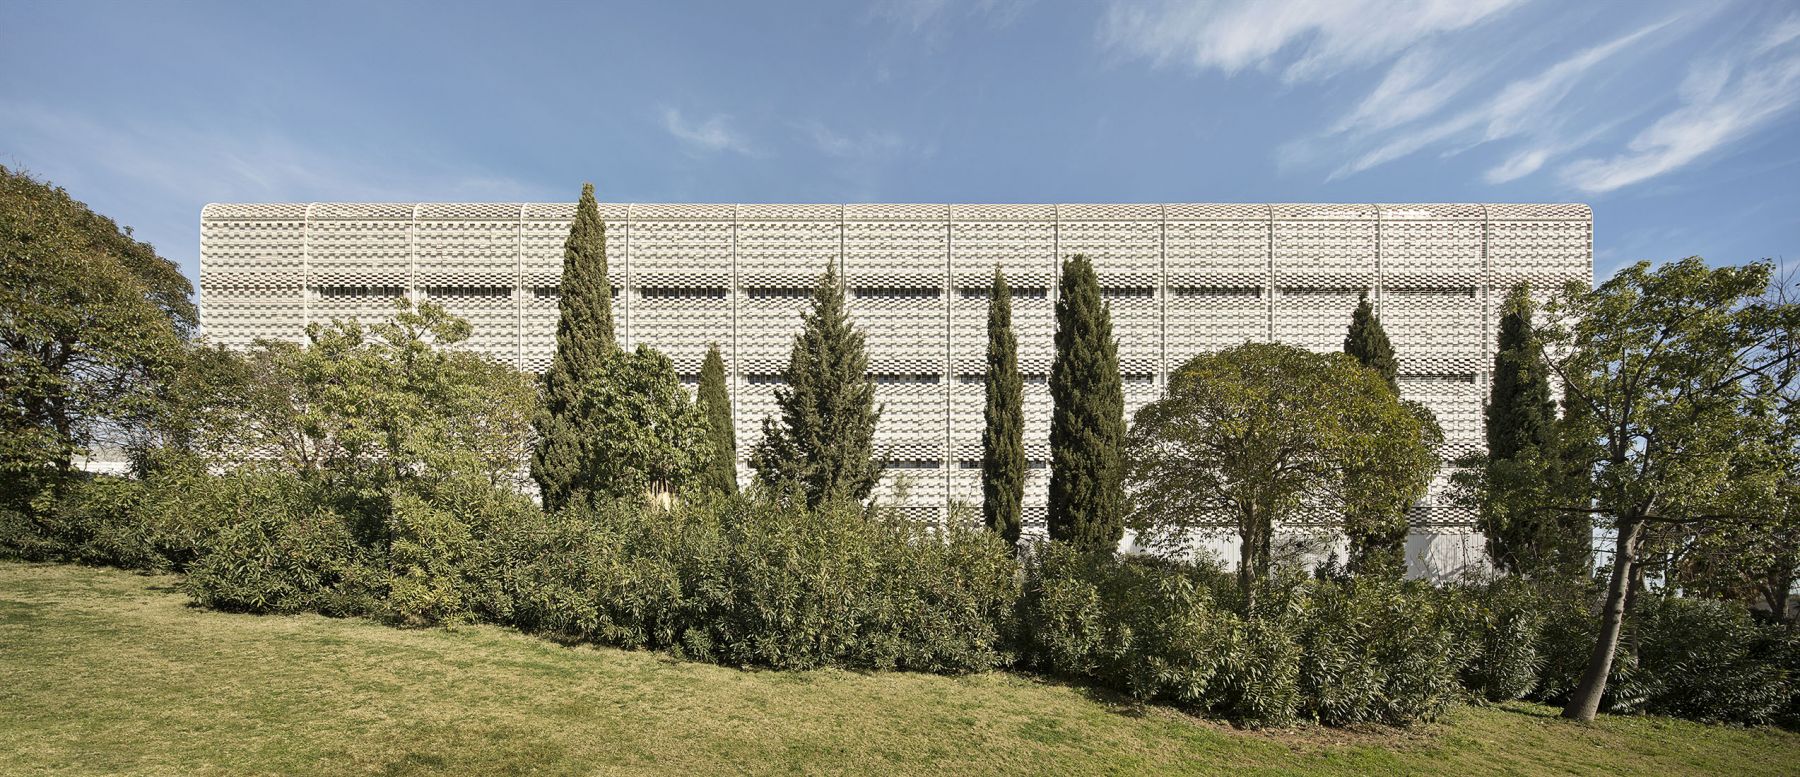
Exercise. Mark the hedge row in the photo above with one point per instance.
(748, 581)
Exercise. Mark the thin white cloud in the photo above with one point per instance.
(1305, 39)
(1715, 112)
(1523, 106)
(1783, 33)
(712, 134)
(869, 144)
(918, 15)
(1418, 84)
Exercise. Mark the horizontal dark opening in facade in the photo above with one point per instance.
(778, 292)
(915, 464)
(763, 379)
(555, 292)
(1449, 377)
(904, 377)
(1217, 291)
(332, 292)
(688, 377)
(468, 291)
(981, 377)
(1030, 292)
(1029, 464)
(682, 292)
(1138, 377)
(1336, 291)
(899, 292)
(1421, 292)
(1128, 291)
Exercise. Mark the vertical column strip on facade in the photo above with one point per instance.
(412, 257)
(306, 270)
(519, 290)
(1269, 281)
(736, 358)
(1379, 292)
(948, 459)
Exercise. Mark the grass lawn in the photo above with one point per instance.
(104, 671)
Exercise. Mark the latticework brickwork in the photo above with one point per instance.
(1180, 279)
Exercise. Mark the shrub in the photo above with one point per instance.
(1706, 660)
(280, 550)
(1502, 623)
(1381, 651)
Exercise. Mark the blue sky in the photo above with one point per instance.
(1678, 121)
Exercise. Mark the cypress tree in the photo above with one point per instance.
(1003, 437)
(1087, 424)
(824, 443)
(584, 344)
(720, 470)
(1525, 458)
(1520, 411)
(1376, 532)
(1369, 343)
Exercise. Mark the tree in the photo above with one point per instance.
(1666, 366)
(824, 442)
(584, 343)
(1261, 434)
(1368, 342)
(652, 438)
(362, 407)
(93, 325)
(1376, 526)
(720, 469)
(1087, 422)
(1003, 436)
(1521, 470)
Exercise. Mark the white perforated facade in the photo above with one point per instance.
(1180, 278)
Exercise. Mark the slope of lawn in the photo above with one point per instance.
(104, 671)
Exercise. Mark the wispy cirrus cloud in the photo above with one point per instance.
(1718, 106)
(863, 145)
(713, 134)
(1303, 39)
(1523, 106)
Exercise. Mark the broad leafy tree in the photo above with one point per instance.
(1087, 424)
(824, 441)
(1261, 434)
(1666, 366)
(1003, 465)
(585, 342)
(653, 438)
(720, 469)
(93, 326)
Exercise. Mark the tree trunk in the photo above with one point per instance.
(1584, 703)
(1247, 543)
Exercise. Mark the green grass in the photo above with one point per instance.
(107, 672)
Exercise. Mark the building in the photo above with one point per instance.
(1180, 279)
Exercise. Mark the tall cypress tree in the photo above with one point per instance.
(584, 344)
(1369, 343)
(1003, 437)
(1087, 424)
(720, 470)
(1524, 465)
(824, 443)
(1377, 528)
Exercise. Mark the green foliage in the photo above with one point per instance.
(94, 324)
(652, 437)
(1707, 660)
(1521, 482)
(281, 549)
(719, 473)
(1368, 343)
(824, 442)
(562, 460)
(1249, 436)
(1680, 355)
(1003, 465)
(1375, 523)
(1087, 423)
(1504, 620)
(751, 581)
(1379, 651)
